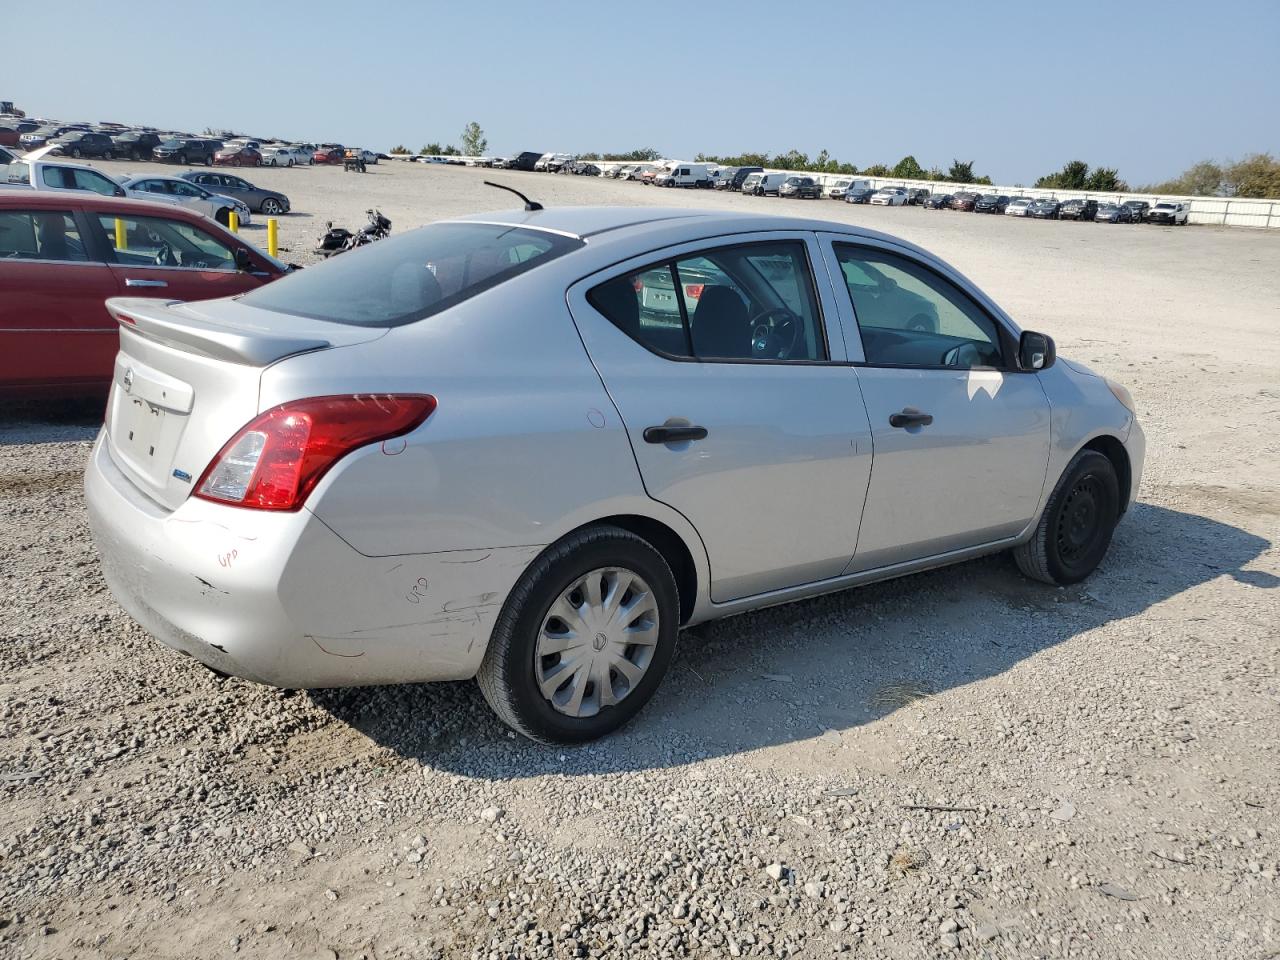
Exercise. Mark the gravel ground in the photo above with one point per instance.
(960, 763)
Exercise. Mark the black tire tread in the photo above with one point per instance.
(1032, 557)
(494, 667)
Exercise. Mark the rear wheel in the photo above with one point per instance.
(1076, 527)
(584, 638)
(109, 155)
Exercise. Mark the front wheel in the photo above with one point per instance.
(1075, 529)
(584, 638)
(223, 216)
(271, 206)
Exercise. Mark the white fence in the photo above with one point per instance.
(1216, 211)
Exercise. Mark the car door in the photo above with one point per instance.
(54, 328)
(961, 437)
(155, 255)
(726, 365)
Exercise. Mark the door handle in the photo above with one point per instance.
(129, 282)
(673, 434)
(910, 417)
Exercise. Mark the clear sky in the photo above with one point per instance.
(1019, 87)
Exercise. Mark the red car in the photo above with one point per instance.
(237, 157)
(8, 136)
(62, 254)
(329, 155)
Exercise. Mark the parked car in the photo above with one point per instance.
(184, 152)
(238, 155)
(1138, 210)
(35, 172)
(183, 193)
(684, 175)
(328, 154)
(836, 189)
(59, 262)
(135, 144)
(285, 155)
(800, 188)
(739, 176)
(1114, 213)
(917, 196)
(1078, 209)
(1018, 207)
(9, 136)
(79, 144)
(368, 156)
(277, 474)
(1170, 212)
(889, 197)
(1044, 209)
(270, 202)
(38, 137)
(769, 183)
(524, 161)
(964, 200)
(991, 203)
(938, 201)
(859, 194)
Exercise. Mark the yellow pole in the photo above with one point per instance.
(122, 236)
(273, 236)
(233, 221)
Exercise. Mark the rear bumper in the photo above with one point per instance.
(282, 600)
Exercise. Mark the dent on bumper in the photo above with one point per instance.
(282, 599)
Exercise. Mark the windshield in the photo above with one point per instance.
(1164, 206)
(412, 276)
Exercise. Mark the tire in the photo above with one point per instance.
(291, 161)
(109, 155)
(508, 676)
(271, 207)
(75, 152)
(208, 161)
(182, 158)
(223, 216)
(1076, 527)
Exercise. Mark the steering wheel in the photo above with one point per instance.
(774, 334)
(965, 355)
(164, 255)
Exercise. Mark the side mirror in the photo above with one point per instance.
(244, 262)
(119, 192)
(1036, 351)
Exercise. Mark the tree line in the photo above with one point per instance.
(1256, 176)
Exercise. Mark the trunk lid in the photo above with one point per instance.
(187, 379)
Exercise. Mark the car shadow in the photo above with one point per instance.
(820, 667)
(51, 421)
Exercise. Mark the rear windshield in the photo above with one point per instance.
(406, 278)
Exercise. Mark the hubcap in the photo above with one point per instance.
(596, 642)
(1078, 521)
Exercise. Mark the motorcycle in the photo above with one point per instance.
(339, 239)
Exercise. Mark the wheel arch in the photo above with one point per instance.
(1113, 449)
(667, 542)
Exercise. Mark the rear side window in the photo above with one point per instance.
(412, 276)
(750, 302)
(40, 235)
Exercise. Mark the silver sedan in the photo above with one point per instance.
(528, 447)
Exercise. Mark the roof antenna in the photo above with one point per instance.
(528, 204)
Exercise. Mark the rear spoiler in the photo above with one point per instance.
(158, 320)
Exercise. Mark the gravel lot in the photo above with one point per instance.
(960, 763)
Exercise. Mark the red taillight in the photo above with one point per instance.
(276, 459)
(693, 290)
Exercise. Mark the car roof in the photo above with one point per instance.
(628, 224)
(86, 200)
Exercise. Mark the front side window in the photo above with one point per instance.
(909, 316)
(412, 276)
(748, 302)
(40, 235)
(159, 241)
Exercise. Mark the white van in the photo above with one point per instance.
(684, 175)
(763, 184)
